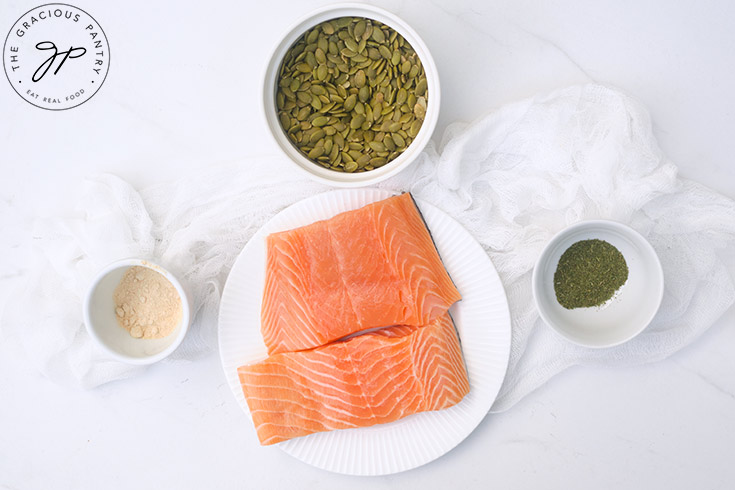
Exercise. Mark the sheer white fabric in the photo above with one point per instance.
(513, 179)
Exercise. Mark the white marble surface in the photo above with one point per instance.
(183, 92)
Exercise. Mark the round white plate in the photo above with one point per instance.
(482, 319)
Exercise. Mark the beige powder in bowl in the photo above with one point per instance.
(147, 305)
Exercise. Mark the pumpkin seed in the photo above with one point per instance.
(316, 152)
(321, 57)
(357, 121)
(303, 114)
(350, 102)
(322, 46)
(364, 94)
(343, 22)
(369, 113)
(421, 87)
(377, 146)
(351, 45)
(378, 35)
(326, 106)
(414, 129)
(401, 96)
(398, 140)
(368, 31)
(373, 54)
(319, 121)
(288, 93)
(285, 120)
(360, 29)
(303, 68)
(420, 108)
(310, 60)
(316, 136)
(362, 161)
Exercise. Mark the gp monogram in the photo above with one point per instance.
(56, 56)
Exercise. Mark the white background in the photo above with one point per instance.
(183, 93)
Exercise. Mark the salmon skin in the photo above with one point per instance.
(369, 379)
(368, 268)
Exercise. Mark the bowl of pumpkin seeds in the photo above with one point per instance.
(351, 95)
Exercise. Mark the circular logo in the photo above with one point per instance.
(56, 56)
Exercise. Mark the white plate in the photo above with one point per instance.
(482, 319)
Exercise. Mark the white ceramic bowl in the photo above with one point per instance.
(629, 312)
(101, 322)
(300, 161)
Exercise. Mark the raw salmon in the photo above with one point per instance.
(369, 379)
(371, 267)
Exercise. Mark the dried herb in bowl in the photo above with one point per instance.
(589, 274)
(351, 94)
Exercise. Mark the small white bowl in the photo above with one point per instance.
(314, 170)
(102, 325)
(628, 313)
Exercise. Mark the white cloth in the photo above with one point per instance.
(513, 179)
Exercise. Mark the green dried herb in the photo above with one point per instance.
(588, 274)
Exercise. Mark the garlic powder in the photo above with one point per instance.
(147, 305)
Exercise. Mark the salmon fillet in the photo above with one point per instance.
(371, 267)
(369, 379)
